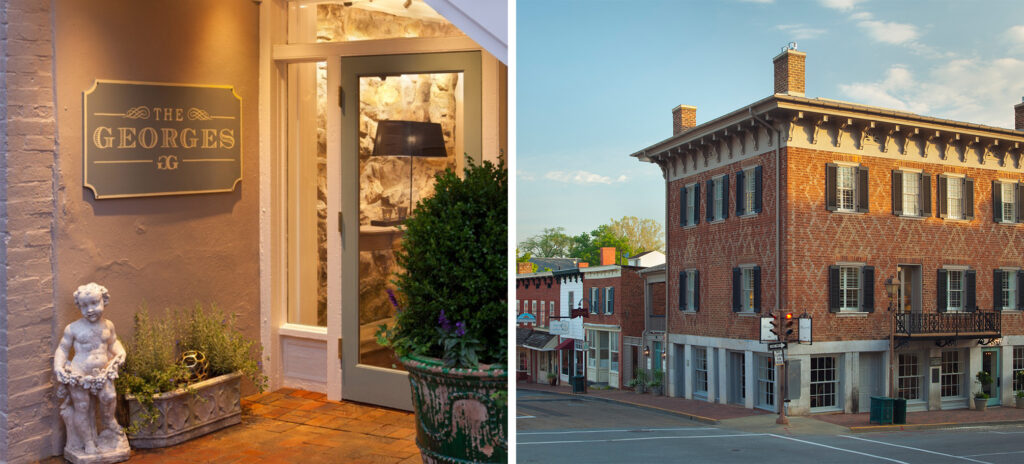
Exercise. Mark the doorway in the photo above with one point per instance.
(909, 293)
(990, 363)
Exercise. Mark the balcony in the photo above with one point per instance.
(948, 325)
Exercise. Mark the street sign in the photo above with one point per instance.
(805, 330)
(777, 346)
(778, 358)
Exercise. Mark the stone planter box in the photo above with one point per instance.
(204, 407)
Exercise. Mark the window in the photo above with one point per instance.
(700, 370)
(689, 287)
(689, 205)
(609, 300)
(522, 361)
(746, 289)
(824, 382)
(572, 302)
(1018, 367)
(591, 349)
(911, 194)
(534, 311)
(519, 309)
(845, 185)
(691, 283)
(956, 197)
(614, 343)
(749, 192)
(951, 376)
(1009, 208)
(1005, 199)
(955, 290)
(542, 315)
(765, 381)
(593, 300)
(908, 377)
(551, 310)
(1007, 281)
(849, 288)
(717, 198)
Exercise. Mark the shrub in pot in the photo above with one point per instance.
(639, 381)
(450, 330)
(1020, 399)
(552, 378)
(655, 382)
(182, 374)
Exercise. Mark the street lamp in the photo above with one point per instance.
(892, 286)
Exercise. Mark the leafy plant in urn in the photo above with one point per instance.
(450, 331)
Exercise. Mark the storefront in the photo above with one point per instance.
(300, 241)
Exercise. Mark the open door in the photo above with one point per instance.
(404, 118)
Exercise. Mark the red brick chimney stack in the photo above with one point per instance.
(683, 117)
(1018, 113)
(789, 71)
(607, 255)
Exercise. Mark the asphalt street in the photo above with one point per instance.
(558, 429)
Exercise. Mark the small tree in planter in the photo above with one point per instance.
(981, 398)
(639, 381)
(1020, 393)
(450, 332)
(182, 375)
(655, 383)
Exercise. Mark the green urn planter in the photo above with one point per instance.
(457, 420)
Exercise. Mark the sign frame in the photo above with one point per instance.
(780, 358)
(766, 330)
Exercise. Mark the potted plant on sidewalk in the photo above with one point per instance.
(981, 398)
(655, 382)
(1020, 393)
(639, 381)
(450, 330)
(182, 376)
(552, 378)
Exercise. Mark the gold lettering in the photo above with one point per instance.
(227, 138)
(150, 134)
(167, 113)
(188, 141)
(102, 137)
(127, 137)
(178, 114)
(167, 162)
(209, 140)
(170, 137)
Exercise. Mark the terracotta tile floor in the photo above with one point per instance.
(298, 426)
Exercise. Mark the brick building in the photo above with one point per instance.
(809, 205)
(537, 299)
(614, 323)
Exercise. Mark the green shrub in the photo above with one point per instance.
(454, 256)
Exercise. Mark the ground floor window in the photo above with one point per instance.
(908, 377)
(1018, 368)
(700, 370)
(951, 375)
(614, 343)
(591, 349)
(522, 361)
(564, 357)
(765, 381)
(824, 382)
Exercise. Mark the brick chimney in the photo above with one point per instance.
(789, 71)
(583, 265)
(683, 117)
(607, 255)
(1018, 115)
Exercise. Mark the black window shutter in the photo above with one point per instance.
(833, 289)
(941, 290)
(867, 285)
(696, 290)
(997, 289)
(682, 290)
(940, 196)
(757, 189)
(725, 196)
(830, 186)
(897, 193)
(862, 189)
(710, 206)
(682, 207)
(757, 289)
(925, 197)
(997, 201)
(1020, 290)
(970, 300)
(611, 300)
(969, 198)
(1018, 194)
(736, 306)
(696, 204)
(739, 194)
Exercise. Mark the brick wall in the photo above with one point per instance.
(714, 249)
(28, 421)
(818, 238)
(789, 72)
(658, 298)
(543, 288)
(628, 312)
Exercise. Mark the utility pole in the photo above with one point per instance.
(780, 372)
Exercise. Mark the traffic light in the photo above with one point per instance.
(775, 326)
(789, 324)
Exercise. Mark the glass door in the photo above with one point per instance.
(404, 118)
(990, 364)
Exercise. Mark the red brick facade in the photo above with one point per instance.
(628, 310)
(658, 298)
(541, 289)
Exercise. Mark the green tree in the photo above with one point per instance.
(551, 243)
(525, 258)
(641, 234)
(587, 246)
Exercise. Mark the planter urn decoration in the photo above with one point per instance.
(186, 413)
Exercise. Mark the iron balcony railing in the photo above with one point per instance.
(974, 324)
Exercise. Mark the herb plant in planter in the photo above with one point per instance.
(450, 332)
(981, 398)
(182, 376)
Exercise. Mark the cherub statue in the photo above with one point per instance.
(87, 381)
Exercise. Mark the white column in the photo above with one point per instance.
(723, 376)
(972, 367)
(849, 380)
(751, 384)
(709, 354)
(688, 357)
(1006, 393)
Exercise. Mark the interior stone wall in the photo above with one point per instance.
(338, 23)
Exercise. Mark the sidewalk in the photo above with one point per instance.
(713, 413)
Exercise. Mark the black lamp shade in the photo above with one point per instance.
(409, 138)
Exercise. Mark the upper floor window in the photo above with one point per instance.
(1006, 287)
(1006, 201)
(689, 289)
(609, 300)
(846, 188)
(911, 193)
(689, 205)
(595, 302)
(851, 287)
(748, 191)
(717, 198)
(572, 301)
(955, 197)
(746, 289)
(956, 290)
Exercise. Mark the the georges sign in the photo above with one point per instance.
(147, 139)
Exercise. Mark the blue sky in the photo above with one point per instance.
(597, 80)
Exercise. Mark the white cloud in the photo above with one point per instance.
(1015, 35)
(977, 91)
(582, 177)
(525, 175)
(841, 5)
(800, 31)
(861, 16)
(890, 32)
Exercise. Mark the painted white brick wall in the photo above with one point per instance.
(29, 426)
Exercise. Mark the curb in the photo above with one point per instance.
(695, 417)
(939, 425)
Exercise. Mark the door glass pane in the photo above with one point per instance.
(346, 20)
(409, 130)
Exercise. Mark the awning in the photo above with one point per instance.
(541, 341)
(566, 344)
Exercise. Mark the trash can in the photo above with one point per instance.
(579, 384)
(881, 410)
(899, 411)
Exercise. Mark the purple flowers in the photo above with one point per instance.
(391, 296)
(446, 325)
(460, 329)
